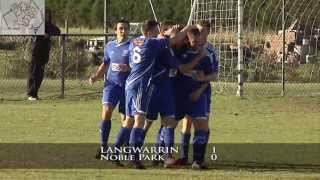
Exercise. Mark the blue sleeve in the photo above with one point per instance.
(207, 66)
(106, 57)
(213, 58)
(173, 61)
(214, 62)
(160, 44)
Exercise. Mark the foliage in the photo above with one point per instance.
(90, 13)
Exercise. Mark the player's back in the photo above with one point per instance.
(165, 63)
(143, 54)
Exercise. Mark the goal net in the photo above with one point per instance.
(223, 17)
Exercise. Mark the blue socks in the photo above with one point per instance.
(105, 128)
(123, 137)
(185, 141)
(200, 142)
(136, 140)
(159, 139)
(168, 134)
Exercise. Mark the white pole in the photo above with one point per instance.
(192, 10)
(240, 52)
(283, 46)
(154, 13)
(105, 28)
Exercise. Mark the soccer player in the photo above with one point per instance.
(190, 102)
(162, 98)
(160, 75)
(115, 67)
(143, 53)
(160, 82)
(204, 28)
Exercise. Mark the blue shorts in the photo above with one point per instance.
(114, 94)
(162, 101)
(184, 106)
(138, 98)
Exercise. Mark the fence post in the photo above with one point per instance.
(240, 50)
(283, 46)
(77, 61)
(105, 25)
(62, 64)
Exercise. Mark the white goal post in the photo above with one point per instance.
(225, 18)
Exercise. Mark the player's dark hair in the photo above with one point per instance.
(165, 25)
(123, 21)
(194, 31)
(148, 25)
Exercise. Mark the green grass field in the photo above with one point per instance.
(15, 89)
(75, 119)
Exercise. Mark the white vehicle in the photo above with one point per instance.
(95, 44)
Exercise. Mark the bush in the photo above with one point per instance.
(308, 73)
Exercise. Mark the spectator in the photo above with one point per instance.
(39, 57)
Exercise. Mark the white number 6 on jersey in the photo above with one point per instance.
(136, 58)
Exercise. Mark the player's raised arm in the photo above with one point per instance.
(180, 36)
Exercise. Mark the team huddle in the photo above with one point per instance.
(167, 71)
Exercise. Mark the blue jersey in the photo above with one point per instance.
(213, 60)
(143, 54)
(165, 66)
(161, 82)
(116, 55)
(185, 80)
(213, 57)
(215, 66)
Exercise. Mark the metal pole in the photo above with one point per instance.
(105, 28)
(66, 25)
(154, 13)
(63, 59)
(62, 65)
(77, 61)
(283, 46)
(193, 6)
(240, 52)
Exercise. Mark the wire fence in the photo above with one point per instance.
(74, 57)
(279, 51)
(269, 48)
